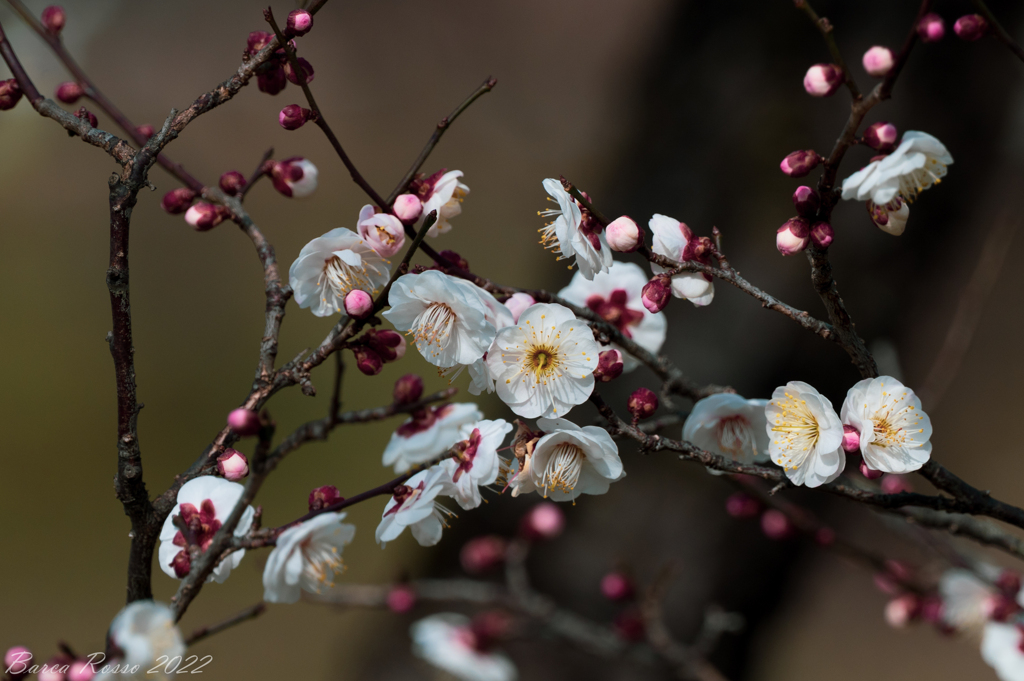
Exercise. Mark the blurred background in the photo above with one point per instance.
(681, 108)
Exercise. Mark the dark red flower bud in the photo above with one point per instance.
(642, 403)
(894, 484)
(205, 216)
(776, 525)
(232, 183)
(408, 389)
(629, 625)
(322, 497)
(178, 200)
(293, 117)
(971, 27)
(10, 94)
(258, 40)
(146, 130)
(299, 23)
(455, 259)
(822, 234)
(367, 361)
(793, 236)
(482, 554)
(617, 586)
(69, 92)
(87, 115)
(799, 163)
(543, 521)
(271, 82)
(881, 136)
(293, 76)
(609, 365)
(806, 201)
(401, 598)
(656, 293)
(53, 18)
(742, 505)
(244, 422)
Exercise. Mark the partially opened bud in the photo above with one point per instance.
(408, 389)
(292, 75)
(272, 82)
(10, 94)
(87, 115)
(642, 403)
(233, 465)
(367, 361)
(793, 236)
(878, 61)
(178, 200)
(822, 234)
(931, 28)
(851, 440)
(204, 216)
(69, 92)
(232, 183)
(17, 661)
(482, 554)
(656, 293)
(389, 345)
(517, 304)
(299, 23)
(623, 235)
(146, 130)
(617, 586)
(295, 177)
(776, 525)
(54, 18)
(869, 473)
(408, 207)
(358, 303)
(822, 80)
(742, 505)
(293, 117)
(609, 366)
(799, 163)
(543, 521)
(971, 27)
(244, 422)
(901, 610)
(881, 136)
(322, 497)
(401, 599)
(806, 201)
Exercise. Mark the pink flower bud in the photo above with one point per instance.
(178, 200)
(806, 201)
(322, 497)
(87, 115)
(455, 259)
(482, 554)
(389, 345)
(293, 117)
(244, 422)
(870, 473)
(358, 303)
(81, 670)
(70, 92)
(408, 389)
(17, 661)
(623, 235)
(232, 465)
(629, 625)
(825, 536)
(401, 599)
(232, 183)
(894, 484)
(272, 82)
(257, 41)
(881, 136)
(517, 304)
(408, 207)
(293, 76)
(799, 163)
(741, 505)
(642, 403)
(367, 361)
(10, 94)
(901, 610)
(793, 236)
(543, 521)
(822, 80)
(54, 18)
(878, 61)
(931, 28)
(656, 293)
(822, 234)
(971, 27)
(299, 23)
(851, 439)
(776, 525)
(294, 177)
(146, 130)
(204, 216)
(616, 586)
(609, 365)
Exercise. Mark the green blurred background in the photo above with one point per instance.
(652, 106)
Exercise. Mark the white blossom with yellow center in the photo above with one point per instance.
(569, 461)
(894, 431)
(919, 162)
(730, 426)
(306, 558)
(564, 237)
(805, 435)
(543, 365)
(446, 199)
(331, 266)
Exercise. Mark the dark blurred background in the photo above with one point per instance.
(682, 108)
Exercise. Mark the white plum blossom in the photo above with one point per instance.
(144, 631)
(427, 434)
(918, 162)
(805, 435)
(543, 366)
(306, 558)
(616, 296)
(447, 641)
(967, 600)
(671, 239)
(1002, 648)
(894, 431)
(445, 197)
(413, 505)
(203, 504)
(331, 266)
(481, 380)
(568, 235)
(446, 316)
(569, 461)
(477, 463)
(382, 231)
(730, 426)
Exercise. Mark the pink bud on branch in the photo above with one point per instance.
(17, 661)
(232, 183)
(971, 27)
(299, 23)
(823, 80)
(851, 440)
(408, 207)
(178, 200)
(656, 293)
(53, 18)
(408, 389)
(617, 586)
(609, 366)
(69, 92)
(793, 236)
(878, 61)
(776, 525)
(367, 361)
(881, 136)
(517, 304)
(931, 28)
(543, 521)
(322, 497)
(304, 66)
(146, 130)
(358, 303)
(870, 473)
(822, 234)
(482, 554)
(293, 117)
(205, 216)
(244, 422)
(806, 201)
(233, 465)
(623, 235)
(642, 404)
(800, 163)
(10, 94)
(401, 599)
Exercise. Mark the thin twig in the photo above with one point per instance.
(1001, 33)
(252, 612)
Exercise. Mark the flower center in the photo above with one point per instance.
(466, 454)
(614, 311)
(321, 563)
(564, 467)
(735, 435)
(918, 180)
(434, 325)
(384, 236)
(893, 423)
(202, 524)
(542, 361)
(340, 278)
(797, 430)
